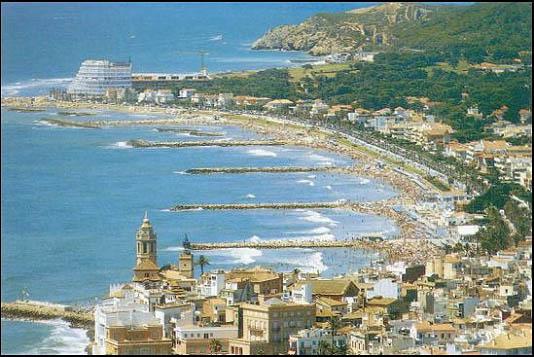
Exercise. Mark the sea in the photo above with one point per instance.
(73, 198)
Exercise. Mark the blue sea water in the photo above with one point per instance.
(72, 199)
(44, 44)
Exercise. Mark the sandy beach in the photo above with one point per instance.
(411, 243)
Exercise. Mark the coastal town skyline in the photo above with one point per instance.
(302, 179)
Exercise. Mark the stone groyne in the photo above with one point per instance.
(361, 243)
(182, 144)
(192, 132)
(241, 170)
(71, 124)
(109, 123)
(243, 206)
(35, 311)
(74, 114)
(417, 251)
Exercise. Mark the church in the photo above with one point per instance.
(146, 267)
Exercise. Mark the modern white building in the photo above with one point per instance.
(302, 294)
(212, 283)
(169, 313)
(195, 340)
(385, 288)
(96, 76)
(187, 92)
(122, 310)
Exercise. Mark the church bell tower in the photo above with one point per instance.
(146, 267)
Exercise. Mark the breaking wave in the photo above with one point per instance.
(120, 145)
(316, 217)
(309, 182)
(34, 86)
(237, 255)
(63, 340)
(319, 230)
(262, 153)
(173, 249)
(255, 239)
(364, 181)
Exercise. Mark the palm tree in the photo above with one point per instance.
(295, 273)
(335, 324)
(215, 345)
(341, 350)
(202, 261)
(323, 348)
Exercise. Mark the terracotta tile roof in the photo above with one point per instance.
(330, 302)
(427, 327)
(510, 340)
(381, 301)
(328, 287)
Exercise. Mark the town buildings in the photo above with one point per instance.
(455, 304)
(266, 327)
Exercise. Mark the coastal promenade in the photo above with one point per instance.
(38, 310)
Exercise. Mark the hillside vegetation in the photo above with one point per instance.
(485, 31)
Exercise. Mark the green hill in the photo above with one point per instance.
(485, 31)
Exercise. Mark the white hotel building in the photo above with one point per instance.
(96, 76)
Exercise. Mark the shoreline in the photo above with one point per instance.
(370, 164)
(89, 332)
(42, 312)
